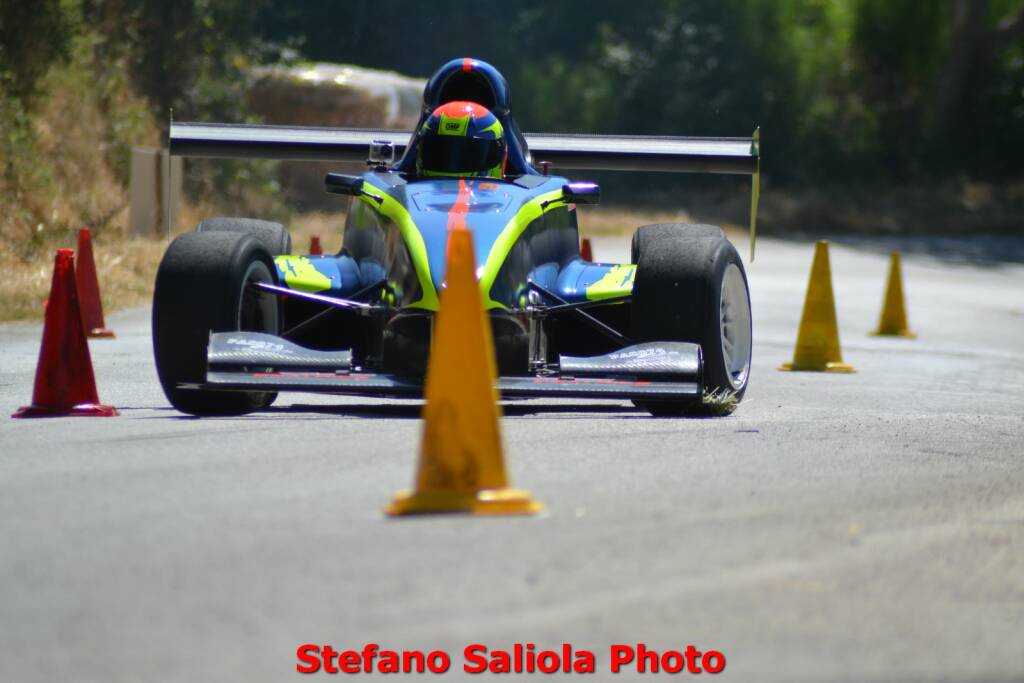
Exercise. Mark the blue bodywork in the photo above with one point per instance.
(522, 232)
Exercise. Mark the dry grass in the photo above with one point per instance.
(126, 269)
(606, 221)
(601, 220)
(63, 173)
(126, 266)
(715, 404)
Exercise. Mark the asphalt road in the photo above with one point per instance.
(836, 527)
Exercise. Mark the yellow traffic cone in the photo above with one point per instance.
(893, 321)
(817, 342)
(461, 466)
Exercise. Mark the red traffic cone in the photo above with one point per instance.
(89, 289)
(586, 253)
(314, 246)
(64, 384)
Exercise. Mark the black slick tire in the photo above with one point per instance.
(201, 287)
(684, 273)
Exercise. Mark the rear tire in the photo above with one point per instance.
(201, 287)
(690, 285)
(273, 236)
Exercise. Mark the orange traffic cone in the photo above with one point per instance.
(893, 321)
(89, 289)
(461, 465)
(65, 384)
(314, 246)
(817, 342)
(586, 253)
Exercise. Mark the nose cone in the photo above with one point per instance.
(478, 205)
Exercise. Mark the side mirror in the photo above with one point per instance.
(339, 183)
(582, 193)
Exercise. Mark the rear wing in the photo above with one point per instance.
(580, 152)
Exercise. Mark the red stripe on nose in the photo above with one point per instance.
(457, 214)
(467, 64)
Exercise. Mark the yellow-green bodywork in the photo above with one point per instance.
(531, 211)
(524, 233)
(300, 273)
(617, 282)
(413, 238)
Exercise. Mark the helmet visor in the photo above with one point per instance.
(455, 154)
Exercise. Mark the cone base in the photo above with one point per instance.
(902, 334)
(484, 502)
(806, 366)
(100, 333)
(81, 410)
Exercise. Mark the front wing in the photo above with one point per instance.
(393, 386)
(253, 361)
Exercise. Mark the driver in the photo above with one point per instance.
(461, 139)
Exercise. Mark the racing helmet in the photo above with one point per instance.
(461, 139)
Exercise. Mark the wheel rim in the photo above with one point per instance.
(257, 310)
(735, 321)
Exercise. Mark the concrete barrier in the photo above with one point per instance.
(155, 183)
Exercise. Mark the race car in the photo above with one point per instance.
(237, 318)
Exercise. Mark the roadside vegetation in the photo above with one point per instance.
(80, 84)
(877, 115)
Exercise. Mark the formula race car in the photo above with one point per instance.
(237, 318)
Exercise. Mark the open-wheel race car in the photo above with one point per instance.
(237, 318)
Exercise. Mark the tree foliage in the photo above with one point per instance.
(843, 89)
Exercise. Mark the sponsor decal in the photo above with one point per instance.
(454, 125)
(258, 344)
(642, 353)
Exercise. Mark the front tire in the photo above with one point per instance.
(202, 286)
(690, 285)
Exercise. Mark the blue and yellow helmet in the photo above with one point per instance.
(461, 139)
